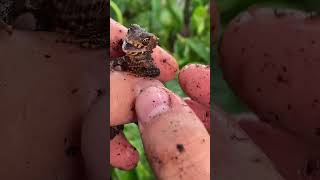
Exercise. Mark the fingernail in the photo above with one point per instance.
(151, 102)
(143, 84)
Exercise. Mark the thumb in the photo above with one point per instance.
(175, 140)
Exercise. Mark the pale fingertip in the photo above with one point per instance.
(151, 102)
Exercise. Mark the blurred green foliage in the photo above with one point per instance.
(183, 29)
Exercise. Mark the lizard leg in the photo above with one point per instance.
(119, 64)
(140, 68)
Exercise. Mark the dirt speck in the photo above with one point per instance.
(243, 50)
(317, 131)
(72, 151)
(207, 114)
(267, 55)
(289, 107)
(282, 79)
(259, 90)
(180, 148)
(100, 92)
(74, 91)
(315, 103)
(284, 69)
(278, 13)
(47, 56)
(28, 164)
(256, 160)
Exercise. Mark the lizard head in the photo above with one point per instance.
(138, 41)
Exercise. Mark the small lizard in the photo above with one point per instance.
(137, 46)
(83, 22)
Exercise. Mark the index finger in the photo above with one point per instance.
(162, 59)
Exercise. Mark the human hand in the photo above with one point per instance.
(123, 91)
(122, 95)
(200, 103)
(175, 140)
(163, 115)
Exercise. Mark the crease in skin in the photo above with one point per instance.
(124, 93)
(144, 84)
(151, 103)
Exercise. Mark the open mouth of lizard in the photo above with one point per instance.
(132, 48)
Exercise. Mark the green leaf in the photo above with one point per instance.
(166, 18)
(155, 14)
(174, 86)
(176, 11)
(198, 19)
(143, 170)
(200, 48)
(117, 11)
(118, 174)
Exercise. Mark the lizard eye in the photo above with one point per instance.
(145, 41)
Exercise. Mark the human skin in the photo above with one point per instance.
(45, 89)
(124, 89)
(286, 128)
(194, 79)
(162, 115)
(288, 153)
(68, 68)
